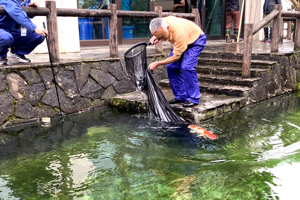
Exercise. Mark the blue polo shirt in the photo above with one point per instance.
(16, 16)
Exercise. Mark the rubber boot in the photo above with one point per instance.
(266, 30)
(227, 36)
(269, 40)
(236, 32)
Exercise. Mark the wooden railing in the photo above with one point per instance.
(51, 13)
(278, 17)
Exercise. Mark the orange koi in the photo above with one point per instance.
(201, 132)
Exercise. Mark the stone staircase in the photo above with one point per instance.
(222, 87)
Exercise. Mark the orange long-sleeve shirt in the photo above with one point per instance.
(182, 33)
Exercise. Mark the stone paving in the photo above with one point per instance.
(213, 46)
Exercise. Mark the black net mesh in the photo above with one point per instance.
(136, 65)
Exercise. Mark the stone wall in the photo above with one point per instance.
(27, 92)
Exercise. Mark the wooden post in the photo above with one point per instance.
(275, 29)
(159, 45)
(289, 31)
(113, 38)
(297, 33)
(281, 29)
(195, 11)
(52, 31)
(248, 37)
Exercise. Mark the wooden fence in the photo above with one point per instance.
(51, 13)
(278, 17)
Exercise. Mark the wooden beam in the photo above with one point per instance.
(275, 30)
(248, 37)
(295, 14)
(265, 21)
(113, 33)
(52, 31)
(67, 12)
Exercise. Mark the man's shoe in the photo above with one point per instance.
(3, 61)
(18, 58)
(174, 101)
(188, 103)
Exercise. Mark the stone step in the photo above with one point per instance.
(213, 88)
(261, 64)
(227, 80)
(225, 70)
(210, 106)
(236, 56)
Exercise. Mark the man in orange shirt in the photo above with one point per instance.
(188, 42)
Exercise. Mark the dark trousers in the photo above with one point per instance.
(22, 45)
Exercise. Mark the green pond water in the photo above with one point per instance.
(103, 154)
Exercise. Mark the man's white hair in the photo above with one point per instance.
(156, 23)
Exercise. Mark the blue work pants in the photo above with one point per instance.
(183, 75)
(22, 45)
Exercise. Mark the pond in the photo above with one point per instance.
(103, 154)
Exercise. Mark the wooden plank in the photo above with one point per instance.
(265, 21)
(248, 37)
(297, 33)
(52, 31)
(113, 33)
(275, 30)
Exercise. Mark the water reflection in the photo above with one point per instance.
(107, 155)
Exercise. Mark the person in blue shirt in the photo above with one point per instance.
(17, 32)
(127, 4)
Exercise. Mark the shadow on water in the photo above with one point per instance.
(104, 154)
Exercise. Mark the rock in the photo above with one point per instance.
(6, 106)
(124, 86)
(116, 70)
(81, 74)
(17, 85)
(47, 77)
(31, 76)
(24, 110)
(34, 93)
(92, 90)
(2, 82)
(66, 80)
(50, 99)
(103, 78)
(109, 93)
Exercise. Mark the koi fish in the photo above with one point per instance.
(201, 132)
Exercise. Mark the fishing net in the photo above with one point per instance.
(141, 76)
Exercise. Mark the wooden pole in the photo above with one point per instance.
(52, 31)
(241, 19)
(248, 37)
(275, 30)
(281, 29)
(159, 45)
(196, 12)
(297, 33)
(289, 31)
(113, 33)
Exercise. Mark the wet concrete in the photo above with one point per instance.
(213, 46)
